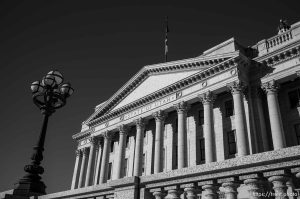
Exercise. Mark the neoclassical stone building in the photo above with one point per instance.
(224, 124)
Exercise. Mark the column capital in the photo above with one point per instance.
(84, 151)
(140, 123)
(230, 187)
(236, 87)
(107, 135)
(207, 98)
(94, 140)
(271, 87)
(182, 107)
(98, 144)
(77, 152)
(158, 194)
(279, 178)
(123, 129)
(159, 115)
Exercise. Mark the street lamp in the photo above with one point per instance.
(48, 95)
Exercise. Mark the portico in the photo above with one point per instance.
(193, 112)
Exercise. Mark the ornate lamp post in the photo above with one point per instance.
(48, 95)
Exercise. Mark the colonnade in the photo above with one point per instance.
(96, 158)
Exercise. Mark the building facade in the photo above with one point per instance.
(225, 124)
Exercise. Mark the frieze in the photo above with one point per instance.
(140, 110)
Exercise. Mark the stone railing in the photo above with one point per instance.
(269, 173)
(272, 173)
(278, 41)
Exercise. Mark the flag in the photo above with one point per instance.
(166, 39)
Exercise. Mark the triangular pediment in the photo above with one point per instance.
(153, 78)
(154, 83)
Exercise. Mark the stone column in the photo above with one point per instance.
(230, 186)
(271, 89)
(89, 172)
(207, 101)
(236, 89)
(254, 184)
(189, 190)
(172, 192)
(140, 126)
(75, 173)
(100, 142)
(182, 108)
(105, 157)
(82, 168)
(210, 188)
(159, 121)
(279, 186)
(157, 193)
(121, 151)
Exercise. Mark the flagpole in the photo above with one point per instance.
(166, 39)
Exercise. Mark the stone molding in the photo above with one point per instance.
(270, 87)
(262, 162)
(207, 98)
(274, 58)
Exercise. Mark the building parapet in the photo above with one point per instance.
(278, 41)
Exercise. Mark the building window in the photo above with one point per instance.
(231, 142)
(202, 149)
(201, 117)
(125, 172)
(112, 146)
(294, 98)
(127, 141)
(229, 108)
(109, 171)
(143, 163)
(297, 130)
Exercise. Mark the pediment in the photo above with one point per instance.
(153, 78)
(153, 83)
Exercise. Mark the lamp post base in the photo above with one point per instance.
(29, 188)
(9, 196)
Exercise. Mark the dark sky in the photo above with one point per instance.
(98, 46)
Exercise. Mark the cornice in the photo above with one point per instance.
(81, 135)
(175, 87)
(281, 55)
(201, 62)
